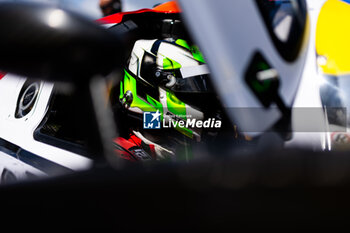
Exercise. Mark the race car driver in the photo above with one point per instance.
(167, 75)
(266, 72)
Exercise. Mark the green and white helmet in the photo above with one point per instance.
(169, 76)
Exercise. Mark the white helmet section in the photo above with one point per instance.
(229, 33)
(137, 53)
(165, 50)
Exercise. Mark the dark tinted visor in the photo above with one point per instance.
(192, 79)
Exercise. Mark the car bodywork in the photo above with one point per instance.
(17, 134)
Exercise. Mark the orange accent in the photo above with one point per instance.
(170, 7)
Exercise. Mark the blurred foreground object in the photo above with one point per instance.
(256, 68)
(270, 190)
(52, 44)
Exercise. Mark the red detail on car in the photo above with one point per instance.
(2, 74)
(133, 149)
(118, 17)
(122, 147)
(169, 7)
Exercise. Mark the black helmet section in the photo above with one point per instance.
(286, 22)
(150, 25)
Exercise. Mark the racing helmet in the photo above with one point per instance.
(168, 76)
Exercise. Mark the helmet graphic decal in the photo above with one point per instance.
(164, 68)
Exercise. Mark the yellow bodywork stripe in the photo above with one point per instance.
(333, 37)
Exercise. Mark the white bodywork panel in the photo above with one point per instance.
(20, 131)
(20, 170)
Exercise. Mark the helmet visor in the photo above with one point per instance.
(191, 80)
